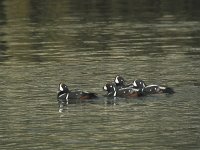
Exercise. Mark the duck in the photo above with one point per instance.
(123, 92)
(143, 87)
(67, 96)
(152, 88)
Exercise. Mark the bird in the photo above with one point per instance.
(142, 86)
(114, 91)
(72, 96)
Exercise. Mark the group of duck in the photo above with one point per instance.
(118, 88)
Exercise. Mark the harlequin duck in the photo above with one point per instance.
(151, 89)
(120, 82)
(66, 96)
(114, 91)
(144, 89)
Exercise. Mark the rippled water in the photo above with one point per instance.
(85, 44)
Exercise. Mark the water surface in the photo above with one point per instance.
(85, 44)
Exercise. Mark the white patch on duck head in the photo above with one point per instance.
(60, 87)
(105, 88)
(116, 79)
(134, 84)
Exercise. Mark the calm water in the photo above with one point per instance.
(85, 44)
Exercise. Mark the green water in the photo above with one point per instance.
(86, 44)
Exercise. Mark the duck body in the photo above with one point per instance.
(73, 96)
(123, 92)
(152, 88)
(142, 87)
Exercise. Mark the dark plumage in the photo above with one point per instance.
(67, 96)
(143, 88)
(114, 91)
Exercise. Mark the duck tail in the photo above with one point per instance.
(89, 96)
(168, 90)
(93, 95)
